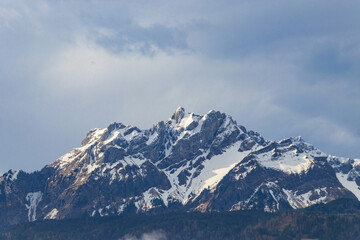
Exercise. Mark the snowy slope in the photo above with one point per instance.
(292, 155)
(188, 162)
(205, 169)
(348, 172)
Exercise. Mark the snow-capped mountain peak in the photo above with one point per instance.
(189, 162)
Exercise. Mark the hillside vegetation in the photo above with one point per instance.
(339, 219)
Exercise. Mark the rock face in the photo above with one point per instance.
(187, 163)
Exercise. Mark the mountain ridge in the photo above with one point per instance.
(189, 162)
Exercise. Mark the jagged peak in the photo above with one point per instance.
(115, 125)
(181, 119)
(211, 111)
(226, 117)
(297, 139)
(291, 140)
(178, 115)
(11, 175)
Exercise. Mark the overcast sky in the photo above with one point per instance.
(283, 68)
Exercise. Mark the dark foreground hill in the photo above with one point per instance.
(338, 220)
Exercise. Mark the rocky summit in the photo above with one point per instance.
(188, 163)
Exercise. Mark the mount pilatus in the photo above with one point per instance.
(187, 163)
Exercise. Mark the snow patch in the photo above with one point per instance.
(94, 137)
(129, 160)
(244, 174)
(91, 168)
(188, 119)
(350, 185)
(113, 136)
(239, 205)
(132, 135)
(14, 175)
(218, 166)
(52, 214)
(152, 138)
(219, 174)
(303, 200)
(100, 212)
(288, 162)
(33, 198)
(213, 172)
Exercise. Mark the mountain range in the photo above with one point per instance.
(190, 162)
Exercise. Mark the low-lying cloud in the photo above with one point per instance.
(155, 235)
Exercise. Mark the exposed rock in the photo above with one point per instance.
(188, 163)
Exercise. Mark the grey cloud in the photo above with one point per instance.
(286, 68)
(144, 39)
(329, 61)
(244, 28)
(334, 63)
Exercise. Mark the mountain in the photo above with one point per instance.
(188, 163)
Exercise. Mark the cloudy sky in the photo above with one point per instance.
(283, 68)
